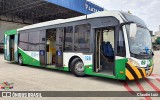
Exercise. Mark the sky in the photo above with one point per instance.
(147, 10)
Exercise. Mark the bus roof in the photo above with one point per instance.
(60, 21)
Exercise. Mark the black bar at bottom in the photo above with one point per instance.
(78, 94)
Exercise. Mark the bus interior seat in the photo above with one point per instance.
(107, 50)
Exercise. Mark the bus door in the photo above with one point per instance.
(105, 47)
(59, 47)
(42, 48)
(7, 48)
(97, 51)
(10, 48)
(16, 48)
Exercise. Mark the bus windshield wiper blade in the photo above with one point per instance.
(142, 53)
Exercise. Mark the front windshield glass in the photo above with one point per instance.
(141, 42)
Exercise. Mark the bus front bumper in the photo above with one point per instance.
(133, 72)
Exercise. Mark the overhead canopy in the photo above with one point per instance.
(34, 11)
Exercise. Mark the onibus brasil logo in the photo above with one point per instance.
(6, 85)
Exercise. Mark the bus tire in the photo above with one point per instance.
(77, 67)
(20, 60)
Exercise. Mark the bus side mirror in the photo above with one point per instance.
(133, 30)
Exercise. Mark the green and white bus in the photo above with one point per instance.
(109, 44)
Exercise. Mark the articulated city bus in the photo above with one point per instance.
(109, 44)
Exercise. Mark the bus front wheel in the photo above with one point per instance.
(77, 67)
(20, 60)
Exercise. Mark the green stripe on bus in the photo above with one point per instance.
(120, 67)
(28, 59)
(11, 32)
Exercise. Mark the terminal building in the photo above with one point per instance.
(18, 13)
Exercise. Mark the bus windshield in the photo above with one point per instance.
(141, 42)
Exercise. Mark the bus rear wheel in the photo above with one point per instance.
(77, 67)
(20, 60)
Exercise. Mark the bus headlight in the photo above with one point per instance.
(134, 63)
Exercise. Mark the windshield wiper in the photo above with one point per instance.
(142, 53)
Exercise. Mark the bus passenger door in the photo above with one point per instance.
(42, 48)
(59, 47)
(5, 47)
(16, 48)
(97, 51)
(8, 48)
(105, 48)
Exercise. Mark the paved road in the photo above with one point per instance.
(28, 78)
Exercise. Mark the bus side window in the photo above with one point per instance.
(23, 41)
(82, 37)
(68, 38)
(33, 42)
(121, 51)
